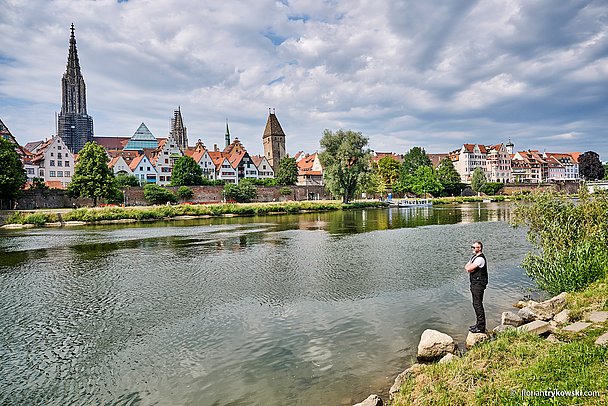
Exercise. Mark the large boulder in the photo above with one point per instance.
(474, 338)
(536, 327)
(434, 345)
(401, 378)
(372, 400)
(511, 319)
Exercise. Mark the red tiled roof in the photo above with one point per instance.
(135, 162)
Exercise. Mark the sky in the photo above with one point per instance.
(435, 74)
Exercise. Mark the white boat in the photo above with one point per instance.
(414, 203)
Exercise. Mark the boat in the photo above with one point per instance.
(414, 203)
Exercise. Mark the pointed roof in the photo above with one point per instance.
(273, 127)
(142, 138)
(73, 65)
(143, 133)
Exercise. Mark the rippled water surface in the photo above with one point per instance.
(315, 309)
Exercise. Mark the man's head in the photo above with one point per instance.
(477, 247)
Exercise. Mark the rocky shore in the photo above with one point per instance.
(540, 318)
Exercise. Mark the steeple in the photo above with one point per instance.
(178, 130)
(273, 140)
(227, 136)
(74, 125)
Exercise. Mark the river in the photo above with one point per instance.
(311, 309)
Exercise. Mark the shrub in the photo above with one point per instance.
(242, 193)
(158, 195)
(492, 188)
(285, 191)
(184, 192)
(570, 240)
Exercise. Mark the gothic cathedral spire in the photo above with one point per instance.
(75, 127)
(273, 140)
(178, 130)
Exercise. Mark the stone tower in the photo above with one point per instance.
(274, 141)
(227, 135)
(178, 130)
(74, 125)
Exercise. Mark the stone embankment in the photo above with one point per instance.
(541, 318)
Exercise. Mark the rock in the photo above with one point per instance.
(447, 358)
(549, 308)
(372, 400)
(474, 338)
(536, 327)
(562, 317)
(598, 317)
(526, 314)
(602, 340)
(401, 378)
(576, 327)
(501, 328)
(521, 304)
(552, 338)
(434, 345)
(511, 319)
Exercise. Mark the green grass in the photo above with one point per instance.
(91, 215)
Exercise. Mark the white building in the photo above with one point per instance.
(54, 163)
(144, 170)
(164, 158)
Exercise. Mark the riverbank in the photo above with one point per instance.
(517, 367)
(115, 214)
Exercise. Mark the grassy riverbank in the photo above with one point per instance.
(508, 369)
(92, 215)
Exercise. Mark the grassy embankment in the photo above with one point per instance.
(141, 213)
(510, 368)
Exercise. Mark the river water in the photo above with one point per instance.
(312, 309)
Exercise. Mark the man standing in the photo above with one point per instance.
(477, 268)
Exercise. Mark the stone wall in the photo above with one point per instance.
(50, 198)
(561, 186)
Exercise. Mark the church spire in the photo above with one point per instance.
(227, 136)
(178, 130)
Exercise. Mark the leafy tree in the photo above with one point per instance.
(287, 174)
(344, 160)
(92, 176)
(186, 172)
(449, 177)
(389, 170)
(370, 182)
(424, 180)
(123, 180)
(590, 167)
(184, 193)
(415, 158)
(478, 180)
(12, 174)
(606, 170)
(492, 188)
(158, 195)
(243, 192)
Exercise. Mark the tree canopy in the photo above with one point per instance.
(424, 180)
(12, 174)
(449, 177)
(92, 176)
(124, 179)
(344, 160)
(415, 158)
(243, 192)
(590, 167)
(287, 173)
(389, 170)
(186, 172)
(478, 180)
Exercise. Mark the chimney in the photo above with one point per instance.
(215, 148)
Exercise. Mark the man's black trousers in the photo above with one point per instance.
(477, 293)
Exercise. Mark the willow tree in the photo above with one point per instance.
(345, 161)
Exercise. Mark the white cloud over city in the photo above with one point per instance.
(404, 73)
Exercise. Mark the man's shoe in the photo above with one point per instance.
(472, 327)
(477, 330)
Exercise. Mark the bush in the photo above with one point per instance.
(242, 193)
(285, 191)
(158, 195)
(570, 240)
(185, 193)
(492, 188)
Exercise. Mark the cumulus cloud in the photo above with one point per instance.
(405, 73)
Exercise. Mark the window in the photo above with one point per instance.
(166, 161)
(67, 163)
(59, 147)
(52, 162)
(59, 155)
(52, 154)
(52, 174)
(67, 174)
(41, 173)
(30, 171)
(60, 174)
(148, 168)
(141, 168)
(59, 163)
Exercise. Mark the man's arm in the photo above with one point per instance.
(476, 263)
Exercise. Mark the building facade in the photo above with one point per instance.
(273, 140)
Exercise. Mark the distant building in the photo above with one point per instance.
(310, 171)
(274, 141)
(178, 130)
(54, 162)
(142, 139)
(75, 126)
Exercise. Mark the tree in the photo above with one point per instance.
(344, 161)
(12, 174)
(389, 170)
(492, 188)
(478, 180)
(590, 167)
(449, 177)
(186, 172)
(243, 192)
(415, 158)
(158, 195)
(424, 180)
(185, 193)
(123, 180)
(606, 170)
(92, 176)
(287, 174)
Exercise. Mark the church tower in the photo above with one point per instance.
(178, 130)
(75, 126)
(273, 140)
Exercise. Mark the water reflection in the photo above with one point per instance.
(303, 310)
